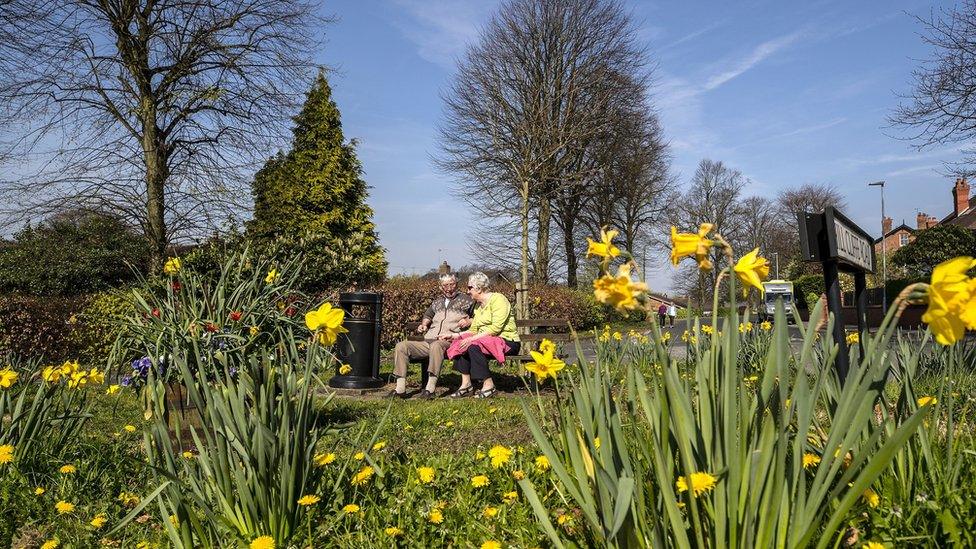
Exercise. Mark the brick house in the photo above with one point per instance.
(963, 213)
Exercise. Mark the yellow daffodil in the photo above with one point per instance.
(546, 346)
(7, 378)
(272, 276)
(871, 497)
(112, 389)
(6, 454)
(619, 291)
(700, 483)
(327, 321)
(926, 401)
(604, 248)
(810, 460)
(362, 476)
(692, 245)
(64, 507)
(308, 499)
(544, 364)
(949, 297)
(425, 475)
(393, 531)
(751, 270)
(499, 455)
(172, 266)
(435, 516)
(99, 520)
(853, 338)
(324, 459)
(542, 463)
(479, 481)
(766, 326)
(263, 542)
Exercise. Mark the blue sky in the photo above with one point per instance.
(786, 92)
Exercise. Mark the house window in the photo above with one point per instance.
(903, 239)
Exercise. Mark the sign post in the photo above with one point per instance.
(839, 245)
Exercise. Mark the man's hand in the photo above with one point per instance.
(422, 327)
(463, 346)
(464, 323)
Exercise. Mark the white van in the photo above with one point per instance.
(773, 291)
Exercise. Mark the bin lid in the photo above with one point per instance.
(360, 297)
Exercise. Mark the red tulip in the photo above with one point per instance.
(235, 316)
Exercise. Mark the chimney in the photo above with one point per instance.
(960, 193)
(931, 222)
(921, 221)
(444, 268)
(885, 226)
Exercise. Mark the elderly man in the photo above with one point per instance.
(449, 313)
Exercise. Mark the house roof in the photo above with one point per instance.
(967, 218)
(895, 231)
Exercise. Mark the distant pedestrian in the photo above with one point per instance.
(662, 311)
(672, 313)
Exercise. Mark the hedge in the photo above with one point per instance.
(85, 327)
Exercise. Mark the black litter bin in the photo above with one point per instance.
(360, 348)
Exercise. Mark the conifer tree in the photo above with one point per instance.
(312, 200)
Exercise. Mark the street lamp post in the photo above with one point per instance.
(776, 257)
(884, 252)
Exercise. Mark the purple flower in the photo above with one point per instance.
(126, 381)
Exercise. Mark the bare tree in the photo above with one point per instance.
(158, 110)
(713, 197)
(535, 90)
(809, 197)
(942, 107)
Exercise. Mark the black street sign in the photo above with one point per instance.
(832, 236)
(839, 245)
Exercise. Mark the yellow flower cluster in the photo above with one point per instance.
(952, 300)
(499, 455)
(7, 378)
(362, 476)
(853, 338)
(425, 475)
(604, 248)
(700, 483)
(545, 364)
(76, 376)
(326, 321)
(6, 454)
(172, 266)
(479, 481)
(620, 290)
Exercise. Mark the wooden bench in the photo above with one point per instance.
(553, 329)
(556, 330)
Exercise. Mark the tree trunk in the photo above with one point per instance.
(572, 262)
(540, 274)
(523, 310)
(157, 173)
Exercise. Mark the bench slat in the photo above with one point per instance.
(542, 323)
(526, 338)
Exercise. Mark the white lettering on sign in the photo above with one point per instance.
(853, 247)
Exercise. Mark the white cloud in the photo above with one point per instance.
(755, 57)
(442, 29)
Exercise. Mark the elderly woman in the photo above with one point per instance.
(492, 333)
